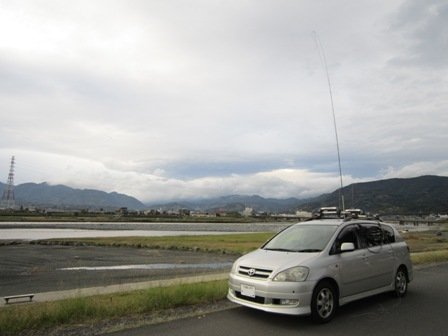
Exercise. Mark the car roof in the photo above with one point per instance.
(340, 221)
(326, 221)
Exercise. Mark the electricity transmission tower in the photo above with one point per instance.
(8, 199)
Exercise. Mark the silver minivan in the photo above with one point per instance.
(313, 267)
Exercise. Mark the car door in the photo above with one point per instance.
(353, 267)
(379, 257)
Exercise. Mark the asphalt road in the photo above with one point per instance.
(422, 312)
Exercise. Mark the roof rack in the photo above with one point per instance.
(354, 213)
(327, 212)
(348, 214)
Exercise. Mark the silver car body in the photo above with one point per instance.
(356, 273)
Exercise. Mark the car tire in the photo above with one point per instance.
(401, 282)
(324, 302)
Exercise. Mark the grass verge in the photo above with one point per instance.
(226, 243)
(14, 320)
(425, 241)
(429, 257)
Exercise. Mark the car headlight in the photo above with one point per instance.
(234, 268)
(293, 274)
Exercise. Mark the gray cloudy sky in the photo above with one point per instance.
(176, 99)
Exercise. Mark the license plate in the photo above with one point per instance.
(248, 291)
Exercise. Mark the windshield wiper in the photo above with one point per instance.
(289, 250)
(308, 250)
(279, 249)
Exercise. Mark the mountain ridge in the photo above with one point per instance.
(424, 194)
(64, 197)
(418, 195)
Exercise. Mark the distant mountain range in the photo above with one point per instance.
(420, 195)
(234, 203)
(63, 197)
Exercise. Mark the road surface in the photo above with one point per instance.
(422, 312)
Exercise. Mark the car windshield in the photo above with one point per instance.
(302, 238)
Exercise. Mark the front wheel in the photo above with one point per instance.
(401, 282)
(323, 302)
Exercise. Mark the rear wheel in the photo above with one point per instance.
(324, 302)
(401, 282)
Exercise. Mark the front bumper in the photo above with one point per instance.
(291, 298)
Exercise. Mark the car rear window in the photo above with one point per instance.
(376, 235)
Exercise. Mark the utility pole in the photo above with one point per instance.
(8, 199)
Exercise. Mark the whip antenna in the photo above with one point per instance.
(323, 60)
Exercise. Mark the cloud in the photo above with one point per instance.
(417, 169)
(155, 186)
(168, 100)
(422, 25)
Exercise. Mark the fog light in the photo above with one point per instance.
(289, 302)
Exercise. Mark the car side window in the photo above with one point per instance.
(388, 234)
(370, 235)
(347, 235)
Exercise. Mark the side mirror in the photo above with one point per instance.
(347, 247)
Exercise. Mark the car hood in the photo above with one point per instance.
(275, 260)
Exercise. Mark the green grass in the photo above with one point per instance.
(425, 241)
(230, 243)
(429, 257)
(15, 320)
(226, 243)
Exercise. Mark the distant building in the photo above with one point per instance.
(247, 212)
(201, 214)
(123, 211)
(184, 212)
(303, 214)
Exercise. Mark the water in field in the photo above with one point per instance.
(49, 230)
(148, 267)
(36, 234)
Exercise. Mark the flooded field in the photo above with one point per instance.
(26, 267)
(48, 230)
(33, 268)
(37, 234)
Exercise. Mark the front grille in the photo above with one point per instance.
(257, 272)
(257, 299)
